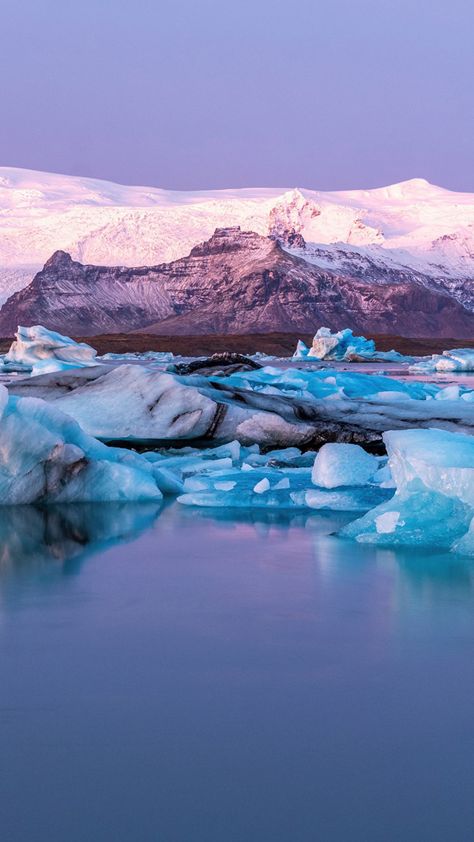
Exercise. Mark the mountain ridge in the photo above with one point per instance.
(234, 282)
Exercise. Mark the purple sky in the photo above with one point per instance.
(217, 93)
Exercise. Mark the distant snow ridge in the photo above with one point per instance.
(412, 226)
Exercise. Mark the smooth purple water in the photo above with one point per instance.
(214, 680)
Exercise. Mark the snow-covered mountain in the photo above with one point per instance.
(235, 282)
(413, 227)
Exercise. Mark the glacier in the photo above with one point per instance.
(414, 226)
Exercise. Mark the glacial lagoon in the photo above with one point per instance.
(189, 675)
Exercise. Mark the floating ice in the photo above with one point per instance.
(343, 345)
(343, 464)
(302, 350)
(139, 356)
(269, 407)
(39, 350)
(433, 471)
(458, 359)
(45, 457)
(275, 480)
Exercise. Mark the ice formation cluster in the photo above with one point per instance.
(37, 350)
(263, 438)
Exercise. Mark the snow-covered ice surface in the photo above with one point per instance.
(343, 345)
(413, 224)
(41, 351)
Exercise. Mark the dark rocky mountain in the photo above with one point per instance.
(236, 282)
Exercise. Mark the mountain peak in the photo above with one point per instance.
(229, 240)
(58, 260)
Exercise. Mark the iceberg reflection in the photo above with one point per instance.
(58, 538)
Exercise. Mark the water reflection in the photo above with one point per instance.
(58, 539)
(215, 658)
(53, 542)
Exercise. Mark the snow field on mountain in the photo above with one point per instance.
(412, 224)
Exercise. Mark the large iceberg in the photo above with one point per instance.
(458, 359)
(136, 404)
(433, 471)
(46, 458)
(343, 345)
(39, 350)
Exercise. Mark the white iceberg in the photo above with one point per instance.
(46, 458)
(457, 359)
(40, 351)
(302, 350)
(343, 345)
(433, 471)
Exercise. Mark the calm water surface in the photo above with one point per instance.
(174, 676)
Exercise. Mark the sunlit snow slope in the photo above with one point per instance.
(414, 224)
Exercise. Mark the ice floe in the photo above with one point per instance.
(281, 479)
(344, 464)
(271, 407)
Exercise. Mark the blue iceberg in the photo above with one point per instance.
(344, 346)
(433, 471)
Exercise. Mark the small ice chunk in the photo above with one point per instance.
(283, 483)
(343, 464)
(262, 486)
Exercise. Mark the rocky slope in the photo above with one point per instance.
(235, 282)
